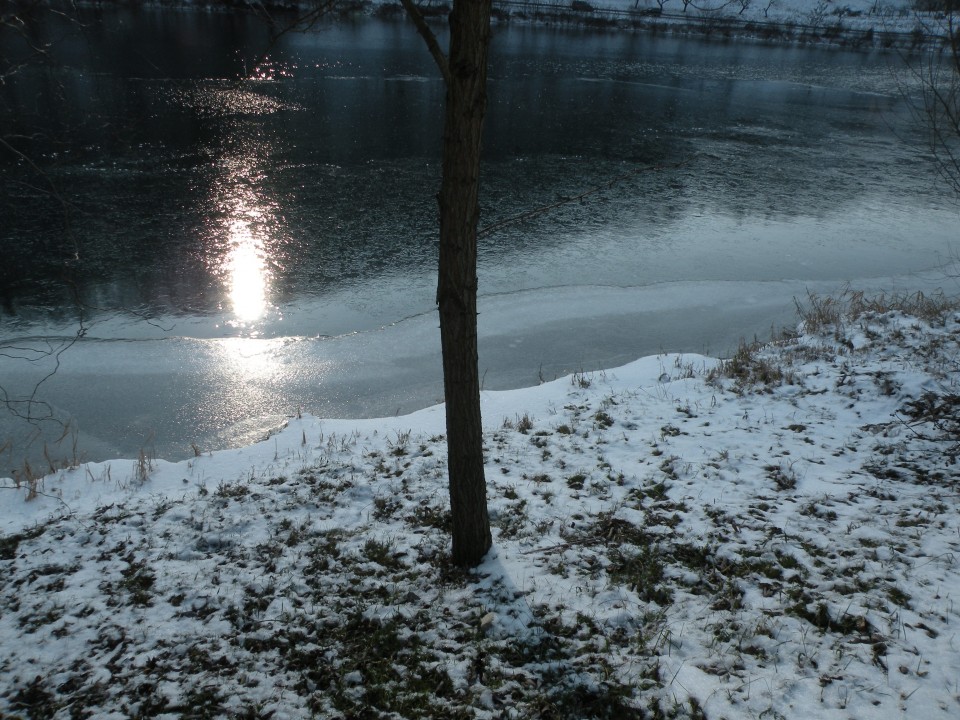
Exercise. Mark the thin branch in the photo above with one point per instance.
(30, 402)
(302, 23)
(31, 163)
(429, 38)
(37, 493)
(549, 548)
(938, 107)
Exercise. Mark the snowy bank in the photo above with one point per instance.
(772, 536)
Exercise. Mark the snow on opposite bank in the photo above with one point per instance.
(830, 18)
(774, 536)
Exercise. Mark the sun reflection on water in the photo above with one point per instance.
(245, 236)
(248, 278)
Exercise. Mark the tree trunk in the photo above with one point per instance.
(466, 80)
(464, 72)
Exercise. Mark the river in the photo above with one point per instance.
(245, 229)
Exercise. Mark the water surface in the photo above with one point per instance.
(244, 229)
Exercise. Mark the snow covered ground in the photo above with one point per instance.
(772, 536)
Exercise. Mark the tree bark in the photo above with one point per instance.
(465, 74)
(457, 281)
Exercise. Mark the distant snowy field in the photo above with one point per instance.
(855, 13)
(896, 16)
(776, 536)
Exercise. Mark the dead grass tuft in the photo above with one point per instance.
(825, 312)
(750, 367)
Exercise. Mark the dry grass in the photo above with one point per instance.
(751, 367)
(821, 312)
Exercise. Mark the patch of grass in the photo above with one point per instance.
(201, 702)
(324, 552)
(749, 368)
(35, 699)
(524, 424)
(825, 312)
(574, 699)
(818, 614)
(381, 553)
(11, 543)
(575, 482)
(603, 419)
(381, 669)
(385, 506)
(142, 467)
(642, 572)
(399, 447)
(898, 597)
(821, 312)
(235, 491)
(940, 411)
(46, 614)
(610, 530)
(138, 580)
(513, 520)
(580, 380)
(783, 477)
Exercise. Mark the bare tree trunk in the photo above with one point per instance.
(465, 74)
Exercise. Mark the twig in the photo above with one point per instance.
(549, 548)
(41, 494)
(302, 23)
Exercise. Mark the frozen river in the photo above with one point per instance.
(239, 249)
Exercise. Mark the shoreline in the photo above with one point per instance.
(889, 28)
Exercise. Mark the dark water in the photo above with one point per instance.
(275, 202)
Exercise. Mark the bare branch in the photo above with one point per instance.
(937, 74)
(301, 23)
(30, 402)
(429, 38)
(31, 163)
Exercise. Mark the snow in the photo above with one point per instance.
(899, 17)
(821, 19)
(771, 536)
(832, 18)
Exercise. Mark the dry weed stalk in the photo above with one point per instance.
(826, 311)
(27, 476)
(142, 467)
